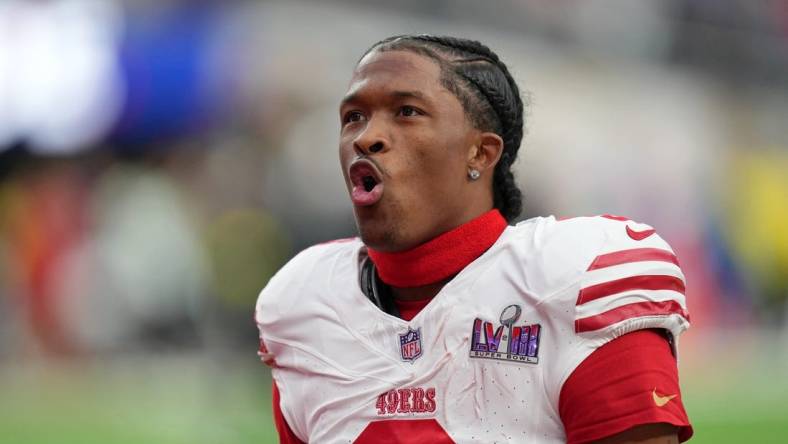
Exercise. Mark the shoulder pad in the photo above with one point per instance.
(633, 282)
(308, 266)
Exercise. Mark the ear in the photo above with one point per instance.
(485, 152)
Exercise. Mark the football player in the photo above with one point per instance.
(442, 323)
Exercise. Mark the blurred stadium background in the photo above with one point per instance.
(159, 160)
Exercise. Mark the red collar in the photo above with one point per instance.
(442, 257)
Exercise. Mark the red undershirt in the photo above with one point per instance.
(442, 257)
(601, 397)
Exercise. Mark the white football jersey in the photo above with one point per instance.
(485, 360)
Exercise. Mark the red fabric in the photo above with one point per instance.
(286, 435)
(614, 389)
(633, 255)
(643, 282)
(441, 257)
(408, 431)
(409, 309)
(634, 310)
(614, 217)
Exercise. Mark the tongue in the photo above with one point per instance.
(362, 197)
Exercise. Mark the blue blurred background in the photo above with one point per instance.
(159, 160)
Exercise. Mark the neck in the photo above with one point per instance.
(421, 272)
(418, 293)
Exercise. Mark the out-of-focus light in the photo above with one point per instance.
(59, 80)
(173, 86)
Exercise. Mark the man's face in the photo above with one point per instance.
(403, 148)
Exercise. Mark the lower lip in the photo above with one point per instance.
(364, 198)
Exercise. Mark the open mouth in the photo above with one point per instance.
(367, 185)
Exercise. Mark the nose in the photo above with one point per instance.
(372, 139)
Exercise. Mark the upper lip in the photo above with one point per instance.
(362, 168)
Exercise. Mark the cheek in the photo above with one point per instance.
(431, 176)
(346, 154)
(440, 162)
(345, 146)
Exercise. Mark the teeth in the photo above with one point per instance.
(369, 183)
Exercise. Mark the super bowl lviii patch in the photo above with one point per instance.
(506, 341)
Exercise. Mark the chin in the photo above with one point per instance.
(377, 235)
(378, 231)
(383, 227)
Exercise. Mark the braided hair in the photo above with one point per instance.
(488, 94)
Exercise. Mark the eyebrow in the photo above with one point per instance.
(397, 94)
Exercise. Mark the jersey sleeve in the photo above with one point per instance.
(278, 311)
(628, 308)
(602, 398)
(273, 306)
(283, 308)
(634, 282)
(286, 435)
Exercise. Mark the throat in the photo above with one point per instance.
(421, 293)
(408, 309)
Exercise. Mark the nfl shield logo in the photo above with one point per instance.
(410, 345)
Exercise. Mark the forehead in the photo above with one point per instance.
(396, 70)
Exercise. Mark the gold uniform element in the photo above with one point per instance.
(660, 401)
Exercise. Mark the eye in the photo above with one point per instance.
(352, 116)
(409, 111)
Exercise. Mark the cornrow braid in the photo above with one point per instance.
(489, 96)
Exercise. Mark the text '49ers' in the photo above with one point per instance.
(406, 400)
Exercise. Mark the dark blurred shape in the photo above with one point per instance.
(739, 40)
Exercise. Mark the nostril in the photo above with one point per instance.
(376, 147)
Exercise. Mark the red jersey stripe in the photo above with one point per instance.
(629, 311)
(614, 217)
(643, 282)
(633, 255)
